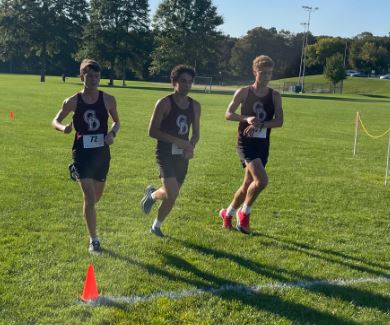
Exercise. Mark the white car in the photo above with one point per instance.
(350, 72)
(385, 76)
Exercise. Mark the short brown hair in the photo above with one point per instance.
(180, 69)
(87, 64)
(262, 61)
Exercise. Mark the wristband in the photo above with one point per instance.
(113, 133)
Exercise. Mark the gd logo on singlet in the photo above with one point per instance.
(259, 110)
(91, 120)
(181, 122)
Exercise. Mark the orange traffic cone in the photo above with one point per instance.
(90, 291)
(11, 115)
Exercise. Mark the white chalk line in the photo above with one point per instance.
(107, 300)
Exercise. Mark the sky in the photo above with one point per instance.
(344, 18)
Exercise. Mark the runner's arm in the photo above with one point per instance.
(196, 124)
(110, 103)
(238, 99)
(68, 106)
(277, 121)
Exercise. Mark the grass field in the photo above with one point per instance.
(325, 216)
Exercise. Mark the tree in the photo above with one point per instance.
(334, 69)
(316, 54)
(368, 53)
(185, 32)
(41, 29)
(284, 48)
(13, 39)
(116, 35)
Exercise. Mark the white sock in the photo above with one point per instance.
(156, 224)
(246, 209)
(153, 196)
(231, 211)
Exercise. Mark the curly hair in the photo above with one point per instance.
(262, 61)
(180, 69)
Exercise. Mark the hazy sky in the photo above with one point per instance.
(345, 18)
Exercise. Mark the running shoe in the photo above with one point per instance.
(73, 174)
(227, 220)
(243, 222)
(147, 201)
(156, 231)
(94, 247)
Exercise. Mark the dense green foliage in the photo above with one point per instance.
(285, 49)
(117, 35)
(324, 48)
(334, 68)
(324, 215)
(186, 32)
(41, 35)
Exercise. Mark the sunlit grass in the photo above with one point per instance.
(325, 215)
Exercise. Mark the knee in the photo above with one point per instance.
(261, 184)
(97, 198)
(90, 200)
(245, 186)
(171, 197)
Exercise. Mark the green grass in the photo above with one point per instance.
(325, 215)
(369, 87)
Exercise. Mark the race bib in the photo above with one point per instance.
(262, 134)
(176, 150)
(93, 141)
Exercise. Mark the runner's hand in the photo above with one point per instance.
(188, 154)
(109, 138)
(68, 128)
(248, 132)
(252, 120)
(186, 145)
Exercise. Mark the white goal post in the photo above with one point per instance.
(204, 83)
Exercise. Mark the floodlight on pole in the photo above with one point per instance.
(309, 10)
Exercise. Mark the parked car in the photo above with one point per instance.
(385, 76)
(350, 72)
(359, 74)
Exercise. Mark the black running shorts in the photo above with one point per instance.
(92, 163)
(172, 166)
(249, 149)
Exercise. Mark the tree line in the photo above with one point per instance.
(52, 36)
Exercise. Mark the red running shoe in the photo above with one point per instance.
(227, 220)
(243, 222)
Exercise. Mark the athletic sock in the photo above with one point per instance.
(246, 209)
(153, 196)
(231, 211)
(156, 224)
(91, 239)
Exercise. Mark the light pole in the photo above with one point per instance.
(309, 10)
(345, 54)
(303, 49)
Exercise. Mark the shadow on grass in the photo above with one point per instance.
(234, 291)
(375, 96)
(337, 257)
(358, 297)
(259, 300)
(307, 249)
